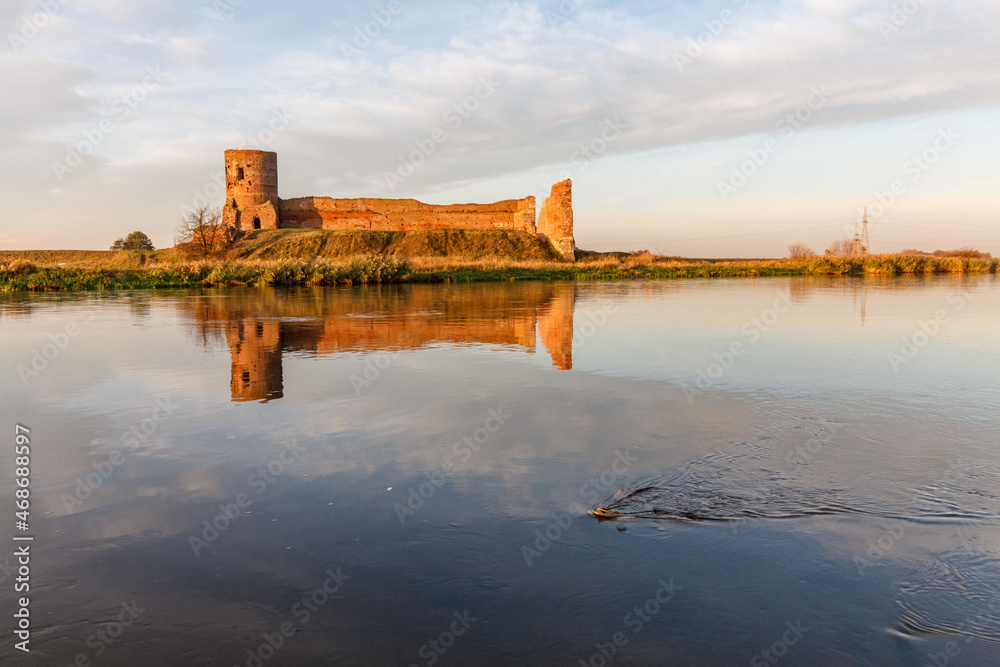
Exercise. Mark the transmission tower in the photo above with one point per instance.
(859, 247)
(865, 242)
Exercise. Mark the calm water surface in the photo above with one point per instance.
(805, 472)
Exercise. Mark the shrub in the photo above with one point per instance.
(134, 241)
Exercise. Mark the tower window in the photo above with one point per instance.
(256, 223)
(239, 174)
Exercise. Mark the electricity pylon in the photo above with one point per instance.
(865, 242)
(859, 247)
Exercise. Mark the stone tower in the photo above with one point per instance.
(255, 349)
(251, 190)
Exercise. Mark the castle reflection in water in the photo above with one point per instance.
(261, 325)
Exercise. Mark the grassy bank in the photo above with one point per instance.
(313, 257)
(20, 271)
(459, 244)
(21, 275)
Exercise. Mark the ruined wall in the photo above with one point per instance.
(260, 325)
(252, 202)
(555, 222)
(555, 326)
(404, 215)
(251, 190)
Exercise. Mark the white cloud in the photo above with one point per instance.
(560, 82)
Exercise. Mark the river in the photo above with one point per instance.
(799, 471)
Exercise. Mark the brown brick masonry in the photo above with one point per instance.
(252, 202)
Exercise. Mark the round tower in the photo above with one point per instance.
(251, 190)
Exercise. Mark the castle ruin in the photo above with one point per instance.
(252, 202)
(261, 326)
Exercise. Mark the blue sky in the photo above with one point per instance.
(724, 128)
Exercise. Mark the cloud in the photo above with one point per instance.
(672, 74)
(560, 84)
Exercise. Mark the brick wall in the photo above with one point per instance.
(404, 215)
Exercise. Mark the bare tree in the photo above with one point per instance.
(841, 248)
(800, 251)
(201, 230)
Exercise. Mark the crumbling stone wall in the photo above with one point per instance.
(555, 326)
(252, 202)
(404, 215)
(555, 223)
(260, 326)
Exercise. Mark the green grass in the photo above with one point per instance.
(310, 257)
(228, 273)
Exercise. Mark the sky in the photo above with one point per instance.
(723, 128)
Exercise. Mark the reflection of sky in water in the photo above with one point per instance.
(914, 449)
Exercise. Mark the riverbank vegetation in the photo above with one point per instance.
(319, 258)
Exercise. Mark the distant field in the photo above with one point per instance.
(309, 257)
